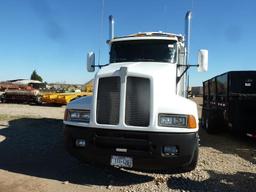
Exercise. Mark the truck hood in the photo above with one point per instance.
(163, 96)
(82, 103)
(162, 75)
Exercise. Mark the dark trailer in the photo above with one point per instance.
(229, 101)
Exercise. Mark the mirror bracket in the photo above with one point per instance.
(100, 66)
(187, 67)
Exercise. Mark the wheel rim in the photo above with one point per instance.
(206, 124)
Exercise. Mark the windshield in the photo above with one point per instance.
(143, 50)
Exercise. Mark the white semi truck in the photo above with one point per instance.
(139, 116)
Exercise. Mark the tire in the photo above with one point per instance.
(209, 123)
(202, 122)
(193, 163)
(39, 100)
(3, 100)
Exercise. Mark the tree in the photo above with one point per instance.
(35, 76)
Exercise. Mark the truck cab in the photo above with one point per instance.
(139, 116)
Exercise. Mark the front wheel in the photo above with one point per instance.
(193, 164)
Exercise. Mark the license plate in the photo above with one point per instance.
(121, 161)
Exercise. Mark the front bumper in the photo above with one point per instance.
(145, 148)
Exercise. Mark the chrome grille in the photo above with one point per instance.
(137, 109)
(108, 100)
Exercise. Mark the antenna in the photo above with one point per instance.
(192, 5)
(101, 28)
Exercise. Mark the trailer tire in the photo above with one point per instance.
(209, 123)
(202, 122)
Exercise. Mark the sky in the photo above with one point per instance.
(54, 36)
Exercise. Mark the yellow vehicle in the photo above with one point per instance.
(64, 98)
(49, 98)
(89, 86)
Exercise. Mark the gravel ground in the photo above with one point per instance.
(32, 158)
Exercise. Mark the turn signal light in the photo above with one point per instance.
(191, 122)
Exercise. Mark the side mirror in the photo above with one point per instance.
(202, 60)
(90, 62)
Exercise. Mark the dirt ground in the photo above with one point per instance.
(33, 159)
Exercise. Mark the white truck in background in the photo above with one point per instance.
(139, 116)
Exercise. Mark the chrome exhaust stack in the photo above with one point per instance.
(111, 27)
(188, 18)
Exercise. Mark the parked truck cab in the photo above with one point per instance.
(139, 116)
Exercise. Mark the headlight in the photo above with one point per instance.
(78, 115)
(171, 120)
